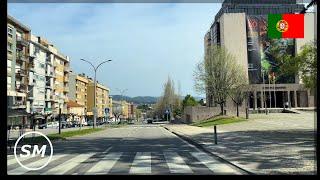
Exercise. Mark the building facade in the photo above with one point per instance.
(102, 99)
(241, 27)
(18, 36)
(41, 79)
(78, 86)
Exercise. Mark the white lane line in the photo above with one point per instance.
(12, 160)
(213, 164)
(176, 163)
(68, 165)
(141, 163)
(38, 163)
(105, 164)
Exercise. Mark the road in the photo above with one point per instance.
(134, 149)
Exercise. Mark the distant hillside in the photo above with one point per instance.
(144, 99)
(137, 99)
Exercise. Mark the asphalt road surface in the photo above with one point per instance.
(134, 149)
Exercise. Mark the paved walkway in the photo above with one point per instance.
(278, 143)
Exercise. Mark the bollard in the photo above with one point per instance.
(247, 113)
(215, 135)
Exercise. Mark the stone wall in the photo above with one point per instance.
(198, 113)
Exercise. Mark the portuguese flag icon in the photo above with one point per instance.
(285, 26)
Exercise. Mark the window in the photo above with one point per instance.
(10, 31)
(9, 46)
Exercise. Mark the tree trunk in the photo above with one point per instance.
(222, 108)
(237, 110)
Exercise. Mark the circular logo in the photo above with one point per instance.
(33, 168)
(282, 26)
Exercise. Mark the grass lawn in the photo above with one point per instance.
(218, 121)
(64, 135)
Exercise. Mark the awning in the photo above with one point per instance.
(16, 113)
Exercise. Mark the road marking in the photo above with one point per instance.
(176, 163)
(21, 170)
(105, 164)
(141, 163)
(14, 161)
(213, 164)
(68, 165)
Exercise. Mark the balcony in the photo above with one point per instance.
(48, 86)
(66, 89)
(49, 98)
(22, 41)
(66, 79)
(30, 97)
(48, 62)
(50, 74)
(18, 105)
(31, 66)
(20, 57)
(21, 73)
(21, 88)
(66, 69)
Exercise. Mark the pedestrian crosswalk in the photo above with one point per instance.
(168, 162)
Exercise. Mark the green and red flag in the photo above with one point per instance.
(285, 26)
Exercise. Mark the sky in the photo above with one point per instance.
(146, 42)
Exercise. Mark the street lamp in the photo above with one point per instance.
(95, 68)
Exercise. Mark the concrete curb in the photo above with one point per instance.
(198, 145)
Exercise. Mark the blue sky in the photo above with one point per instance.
(147, 42)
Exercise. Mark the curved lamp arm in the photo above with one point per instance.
(102, 63)
(89, 63)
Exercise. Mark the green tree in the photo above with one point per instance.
(189, 101)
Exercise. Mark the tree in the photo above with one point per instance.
(169, 100)
(303, 64)
(217, 74)
(201, 102)
(189, 101)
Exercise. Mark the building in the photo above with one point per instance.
(78, 86)
(240, 26)
(75, 110)
(102, 99)
(41, 77)
(61, 69)
(18, 36)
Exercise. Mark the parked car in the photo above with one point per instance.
(54, 124)
(75, 124)
(149, 121)
(43, 126)
(90, 123)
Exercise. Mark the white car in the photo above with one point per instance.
(53, 124)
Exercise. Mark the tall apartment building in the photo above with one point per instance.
(18, 36)
(240, 26)
(61, 70)
(102, 99)
(41, 77)
(78, 86)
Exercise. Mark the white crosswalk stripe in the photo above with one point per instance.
(141, 163)
(68, 165)
(105, 164)
(213, 164)
(22, 170)
(176, 163)
(12, 160)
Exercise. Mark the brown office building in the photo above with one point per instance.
(241, 27)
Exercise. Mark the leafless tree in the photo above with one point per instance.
(218, 75)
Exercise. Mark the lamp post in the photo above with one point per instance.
(95, 68)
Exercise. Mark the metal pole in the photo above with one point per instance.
(94, 96)
(59, 120)
(215, 135)
(269, 92)
(274, 92)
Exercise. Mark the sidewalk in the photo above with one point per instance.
(266, 144)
